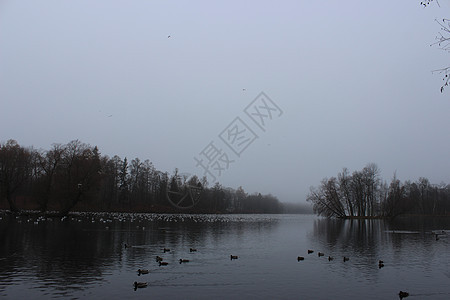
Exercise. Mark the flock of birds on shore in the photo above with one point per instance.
(110, 217)
(161, 262)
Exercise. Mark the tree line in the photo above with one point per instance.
(364, 194)
(75, 176)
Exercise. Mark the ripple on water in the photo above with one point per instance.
(77, 258)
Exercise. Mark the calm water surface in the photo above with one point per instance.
(83, 256)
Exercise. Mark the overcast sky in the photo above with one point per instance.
(349, 83)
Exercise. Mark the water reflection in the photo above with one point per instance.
(356, 236)
(84, 256)
(57, 255)
(407, 246)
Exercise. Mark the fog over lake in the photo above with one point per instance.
(161, 80)
(128, 128)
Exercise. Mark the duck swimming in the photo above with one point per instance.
(142, 272)
(402, 294)
(138, 285)
(233, 257)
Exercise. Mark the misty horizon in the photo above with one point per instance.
(352, 82)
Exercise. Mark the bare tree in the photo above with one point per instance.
(14, 170)
(49, 163)
(79, 174)
(344, 180)
(326, 200)
(443, 41)
(395, 198)
(371, 182)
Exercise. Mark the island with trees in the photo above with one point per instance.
(363, 194)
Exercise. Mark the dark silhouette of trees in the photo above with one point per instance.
(348, 195)
(344, 181)
(123, 183)
(78, 176)
(393, 205)
(241, 195)
(75, 176)
(48, 162)
(364, 194)
(326, 200)
(15, 169)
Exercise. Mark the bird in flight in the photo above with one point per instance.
(168, 36)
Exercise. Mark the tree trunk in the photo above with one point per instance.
(12, 205)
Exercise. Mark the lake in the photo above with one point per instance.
(83, 256)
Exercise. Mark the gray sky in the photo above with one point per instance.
(352, 78)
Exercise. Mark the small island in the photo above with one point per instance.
(364, 195)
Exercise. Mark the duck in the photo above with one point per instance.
(310, 251)
(233, 257)
(402, 294)
(138, 285)
(159, 258)
(330, 258)
(346, 259)
(184, 260)
(166, 250)
(320, 254)
(192, 250)
(163, 263)
(380, 264)
(299, 258)
(142, 272)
